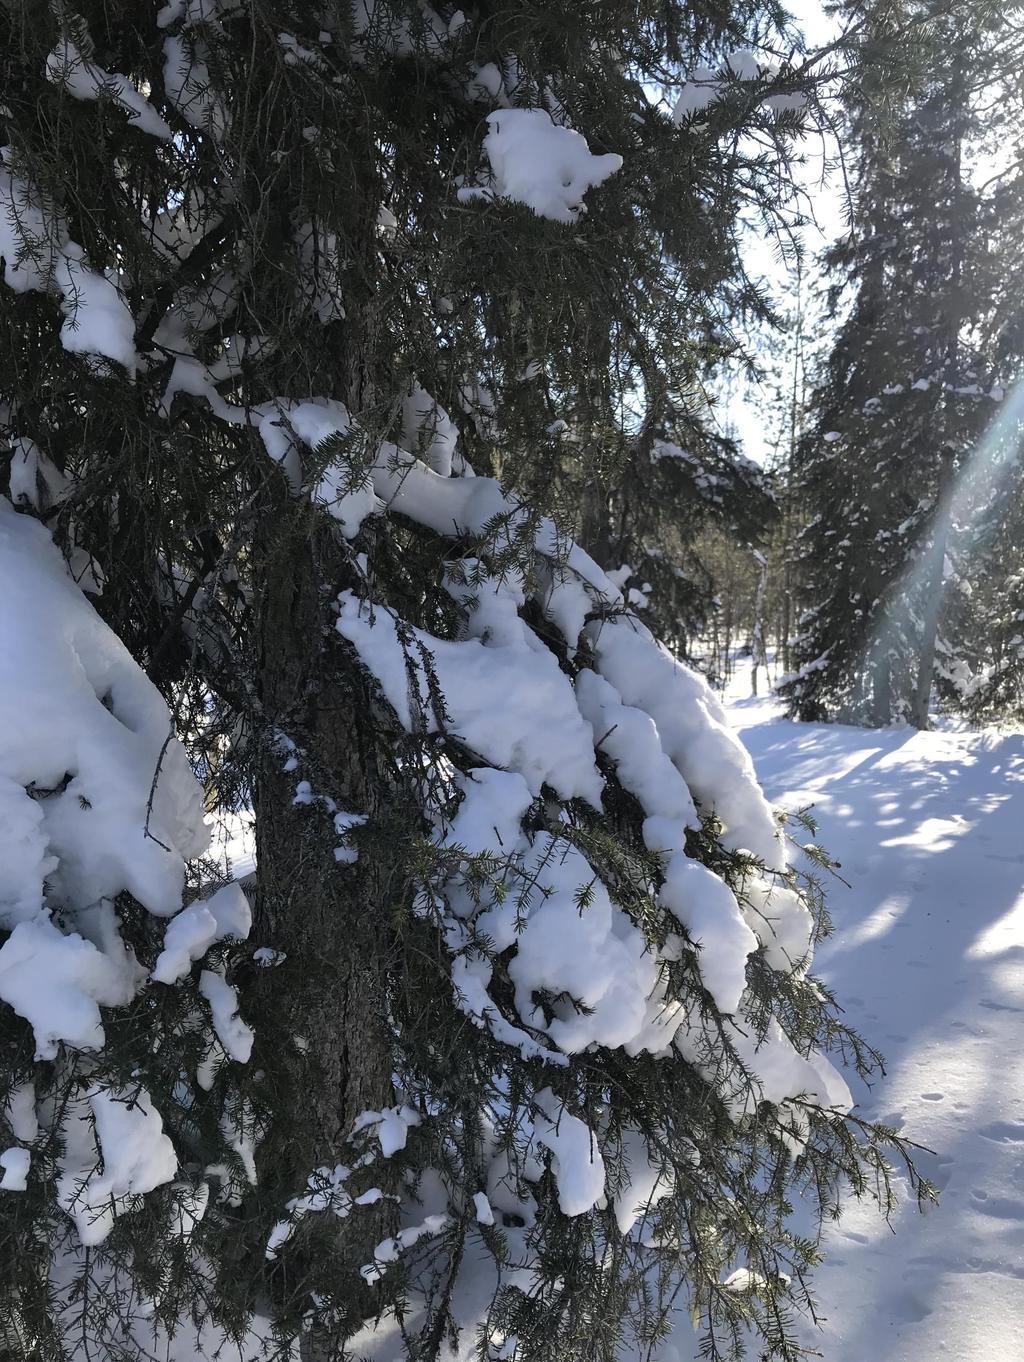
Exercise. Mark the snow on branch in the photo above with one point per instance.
(37, 254)
(67, 67)
(536, 162)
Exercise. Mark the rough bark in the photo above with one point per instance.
(326, 1007)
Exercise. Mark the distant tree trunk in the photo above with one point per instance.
(758, 653)
(595, 529)
(921, 700)
(881, 691)
(797, 398)
(786, 623)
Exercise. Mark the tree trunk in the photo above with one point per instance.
(324, 1036)
(881, 692)
(921, 699)
(758, 654)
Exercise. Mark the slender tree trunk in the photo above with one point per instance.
(797, 398)
(881, 692)
(921, 700)
(758, 655)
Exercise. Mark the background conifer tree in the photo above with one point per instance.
(907, 391)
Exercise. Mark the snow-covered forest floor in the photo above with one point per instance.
(928, 960)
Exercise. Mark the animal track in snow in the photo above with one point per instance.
(930, 1266)
(938, 1169)
(855, 1237)
(1003, 1132)
(909, 1310)
(999, 1207)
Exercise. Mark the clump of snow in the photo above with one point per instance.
(389, 1250)
(429, 431)
(630, 738)
(27, 235)
(391, 1127)
(566, 602)
(592, 954)
(16, 1163)
(509, 702)
(187, 82)
(114, 805)
(325, 1191)
(115, 1150)
(706, 907)
(705, 86)
(537, 162)
(694, 733)
(97, 319)
(343, 825)
(57, 981)
(189, 935)
(348, 494)
(645, 1182)
(39, 255)
(482, 1207)
(743, 1280)
(31, 473)
(235, 1036)
(19, 1111)
(67, 67)
(570, 940)
(576, 1160)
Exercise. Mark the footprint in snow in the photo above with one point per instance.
(908, 1310)
(1003, 1132)
(894, 1120)
(937, 1168)
(929, 1266)
(855, 1238)
(998, 1207)
(933, 1096)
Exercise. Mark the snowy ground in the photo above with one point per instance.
(928, 959)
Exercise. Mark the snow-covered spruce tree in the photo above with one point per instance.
(906, 393)
(508, 1043)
